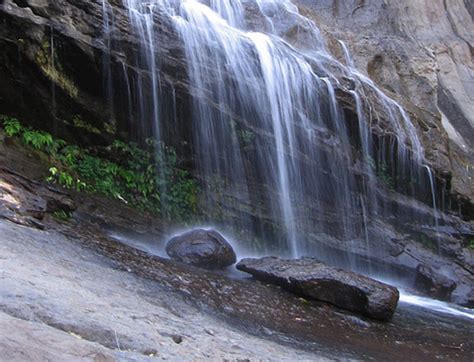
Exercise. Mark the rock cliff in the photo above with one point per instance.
(422, 53)
(58, 58)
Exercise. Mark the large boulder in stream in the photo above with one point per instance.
(312, 279)
(204, 248)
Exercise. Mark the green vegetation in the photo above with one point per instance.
(52, 68)
(12, 126)
(471, 244)
(62, 215)
(78, 122)
(121, 171)
(382, 172)
(247, 137)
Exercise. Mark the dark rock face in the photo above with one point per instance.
(204, 248)
(312, 279)
(434, 284)
(30, 201)
(55, 62)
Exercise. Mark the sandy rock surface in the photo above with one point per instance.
(63, 302)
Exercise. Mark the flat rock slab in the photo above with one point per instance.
(312, 279)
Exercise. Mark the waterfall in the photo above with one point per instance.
(141, 16)
(435, 209)
(268, 127)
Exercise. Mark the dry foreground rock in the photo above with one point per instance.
(62, 302)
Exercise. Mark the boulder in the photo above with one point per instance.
(312, 279)
(204, 248)
(433, 283)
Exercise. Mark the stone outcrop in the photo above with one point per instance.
(433, 283)
(312, 279)
(61, 72)
(203, 248)
(30, 201)
(421, 54)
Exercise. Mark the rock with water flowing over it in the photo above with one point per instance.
(312, 279)
(204, 248)
(433, 283)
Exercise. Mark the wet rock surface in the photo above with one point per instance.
(421, 55)
(204, 248)
(312, 279)
(433, 283)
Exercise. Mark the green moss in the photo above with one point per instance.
(52, 68)
(428, 243)
(110, 127)
(78, 122)
(247, 137)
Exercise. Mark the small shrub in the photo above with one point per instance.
(62, 215)
(37, 140)
(65, 179)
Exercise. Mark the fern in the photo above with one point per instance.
(12, 126)
(131, 174)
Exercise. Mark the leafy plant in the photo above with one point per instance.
(62, 215)
(65, 179)
(12, 126)
(37, 140)
(148, 179)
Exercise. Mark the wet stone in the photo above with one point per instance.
(314, 280)
(203, 248)
(433, 283)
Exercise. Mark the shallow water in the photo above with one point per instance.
(408, 301)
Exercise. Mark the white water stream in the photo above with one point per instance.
(435, 305)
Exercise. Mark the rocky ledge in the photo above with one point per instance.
(312, 279)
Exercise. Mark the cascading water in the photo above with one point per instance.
(267, 123)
